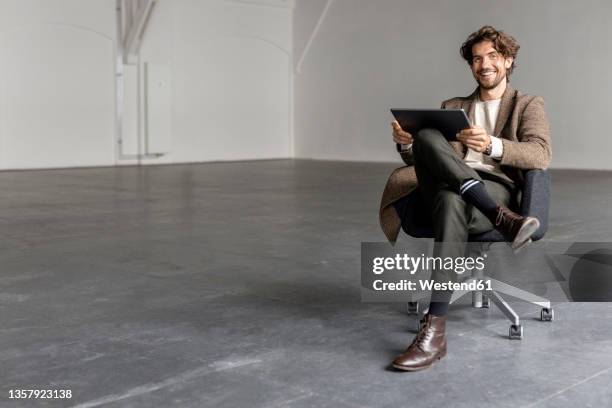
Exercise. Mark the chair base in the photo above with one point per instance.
(482, 299)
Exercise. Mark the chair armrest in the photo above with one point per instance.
(536, 199)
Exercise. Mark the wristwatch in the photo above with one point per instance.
(489, 148)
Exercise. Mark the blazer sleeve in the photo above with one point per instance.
(533, 149)
(406, 155)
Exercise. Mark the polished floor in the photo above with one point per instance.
(237, 285)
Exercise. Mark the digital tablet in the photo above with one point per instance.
(448, 121)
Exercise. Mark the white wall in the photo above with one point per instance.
(369, 56)
(56, 83)
(230, 64)
(306, 19)
(230, 73)
(231, 77)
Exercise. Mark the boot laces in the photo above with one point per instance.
(500, 217)
(421, 336)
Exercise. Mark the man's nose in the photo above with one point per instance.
(486, 63)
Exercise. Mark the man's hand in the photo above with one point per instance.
(399, 136)
(476, 138)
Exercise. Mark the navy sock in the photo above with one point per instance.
(474, 192)
(439, 308)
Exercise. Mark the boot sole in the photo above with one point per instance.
(405, 368)
(523, 237)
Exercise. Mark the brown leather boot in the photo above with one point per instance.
(428, 346)
(515, 228)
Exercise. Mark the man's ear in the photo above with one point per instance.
(508, 62)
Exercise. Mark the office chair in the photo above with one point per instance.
(534, 202)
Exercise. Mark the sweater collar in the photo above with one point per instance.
(505, 107)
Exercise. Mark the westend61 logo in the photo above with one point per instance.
(411, 264)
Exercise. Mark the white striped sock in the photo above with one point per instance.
(467, 185)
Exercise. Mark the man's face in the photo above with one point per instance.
(488, 65)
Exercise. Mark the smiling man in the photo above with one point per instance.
(469, 186)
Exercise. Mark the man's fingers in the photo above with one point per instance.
(476, 146)
(473, 132)
(402, 140)
(401, 133)
(473, 143)
(397, 128)
(472, 138)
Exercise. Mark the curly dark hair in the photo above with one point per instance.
(505, 44)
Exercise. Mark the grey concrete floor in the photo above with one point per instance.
(237, 285)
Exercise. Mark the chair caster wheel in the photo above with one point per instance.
(515, 332)
(412, 308)
(547, 315)
(486, 303)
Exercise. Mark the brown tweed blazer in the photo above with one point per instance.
(521, 124)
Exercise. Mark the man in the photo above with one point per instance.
(468, 186)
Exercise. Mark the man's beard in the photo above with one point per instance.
(493, 84)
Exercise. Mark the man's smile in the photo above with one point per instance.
(487, 74)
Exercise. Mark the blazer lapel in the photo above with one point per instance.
(505, 108)
(469, 106)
